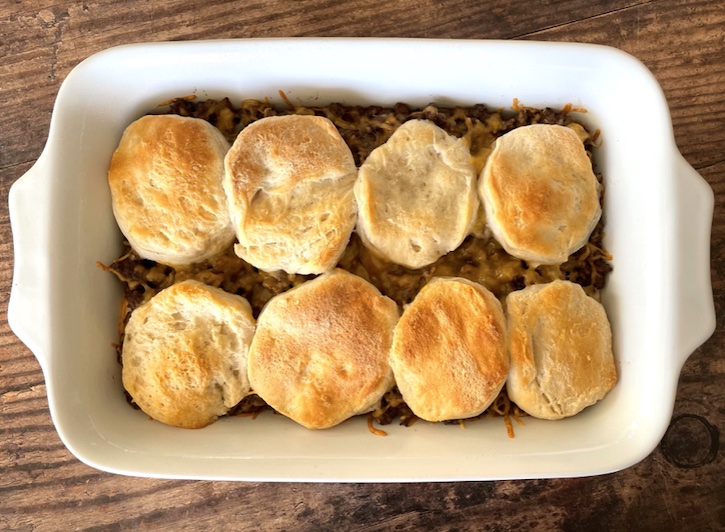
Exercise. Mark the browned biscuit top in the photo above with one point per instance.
(540, 193)
(320, 353)
(560, 343)
(289, 182)
(449, 351)
(185, 354)
(166, 187)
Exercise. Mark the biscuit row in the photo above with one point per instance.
(330, 348)
(289, 193)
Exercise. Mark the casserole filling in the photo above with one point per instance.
(479, 258)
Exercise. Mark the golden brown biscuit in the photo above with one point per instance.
(185, 354)
(449, 350)
(166, 188)
(289, 182)
(416, 195)
(560, 344)
(540, 194)
(320, 353)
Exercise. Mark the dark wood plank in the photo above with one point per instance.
(43, 486)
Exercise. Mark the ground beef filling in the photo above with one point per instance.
(480, 258)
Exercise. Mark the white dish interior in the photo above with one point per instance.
(658, 213)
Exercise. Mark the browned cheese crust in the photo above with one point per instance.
(560, 346)
(540, 193)
(289, 181)
(320, 353)
(185, 354)
(449, 350)
(166, 187)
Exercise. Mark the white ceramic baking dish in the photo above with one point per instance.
(658, 213)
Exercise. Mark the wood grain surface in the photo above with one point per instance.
(681, 485)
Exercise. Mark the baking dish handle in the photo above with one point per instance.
(28, 309)
(695, 202)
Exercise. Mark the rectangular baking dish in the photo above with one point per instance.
(658, 214)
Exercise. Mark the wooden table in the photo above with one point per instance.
(678, 486)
